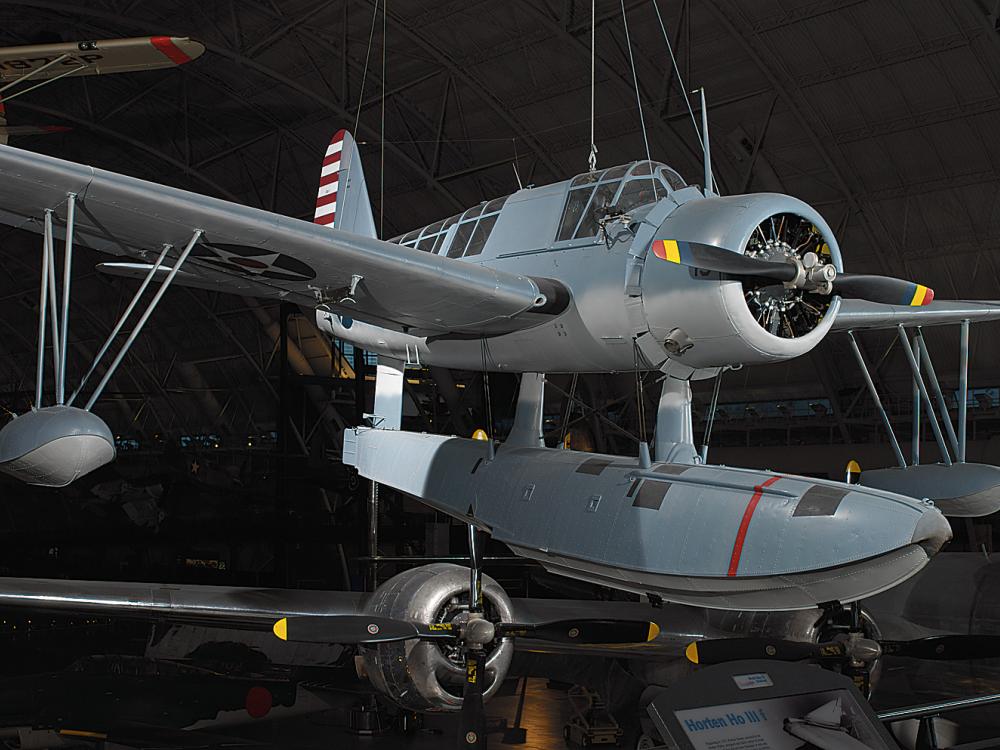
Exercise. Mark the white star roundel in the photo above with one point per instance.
(254, 261)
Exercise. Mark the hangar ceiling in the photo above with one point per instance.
(881, 113)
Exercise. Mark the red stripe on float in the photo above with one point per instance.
(166, 45)
(741, 535)
(326, 200)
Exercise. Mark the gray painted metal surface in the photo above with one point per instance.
(860, 314)
(618, 293)
(966, 490)
(122, 215)
(595, 517)
(55, 445)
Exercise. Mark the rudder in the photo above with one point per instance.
(342, 200)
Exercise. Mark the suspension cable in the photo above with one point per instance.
(364, 75)
(677, 72)
(592, 158)
(638, 100)
(381, 169)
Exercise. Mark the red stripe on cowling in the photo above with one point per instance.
(328, 219)
(326, 200)
(741, 535)
(170, 50)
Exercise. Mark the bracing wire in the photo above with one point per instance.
(486, 391)
(592, 158)
(639, 405)
(364, 75)
(638, 99)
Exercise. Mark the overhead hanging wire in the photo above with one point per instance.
(677, 72)
(592, 158)
(364, 75)
(381, 170)
(638, 99)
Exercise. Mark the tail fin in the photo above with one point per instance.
(3, 123)
(342, 201)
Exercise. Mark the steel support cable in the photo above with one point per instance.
(677, 72)
(381, 163)
(592, 158)
(638, 98)
(364, 75)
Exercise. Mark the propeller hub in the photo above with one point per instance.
(789, 308)
(478, 631)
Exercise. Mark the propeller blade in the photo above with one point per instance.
(359, 629)
(472, 727)
(733, 649)
(584, 631)
(720, 260)
(946, 647)
(477, 543)
(883, 289)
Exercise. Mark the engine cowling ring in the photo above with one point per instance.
(414, 674)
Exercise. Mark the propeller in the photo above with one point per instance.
(368, 630)
(941, 648)
(946, 647)
(471, 631)
(884, 289)
(806, 272)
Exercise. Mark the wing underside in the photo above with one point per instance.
(861, 315)
(252, 252)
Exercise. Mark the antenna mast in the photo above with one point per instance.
(709, 181)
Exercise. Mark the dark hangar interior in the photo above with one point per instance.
(229, 411)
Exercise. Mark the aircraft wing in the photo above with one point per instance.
(96, 57)
(252, 252)
(861, 315)
(258, 609)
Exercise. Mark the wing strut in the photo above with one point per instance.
(142, 320)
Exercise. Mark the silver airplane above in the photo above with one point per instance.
(616, 270)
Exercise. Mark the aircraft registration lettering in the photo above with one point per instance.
(32, 62)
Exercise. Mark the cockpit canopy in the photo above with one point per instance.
(620, 188)
(590, 194)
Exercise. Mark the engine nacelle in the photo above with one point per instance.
(704, 319)
(423, 676)
(802, 625)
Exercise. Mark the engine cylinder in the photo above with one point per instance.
(426, 676)
(727, 319)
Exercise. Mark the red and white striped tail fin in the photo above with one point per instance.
(342, 200)
(329, 181)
